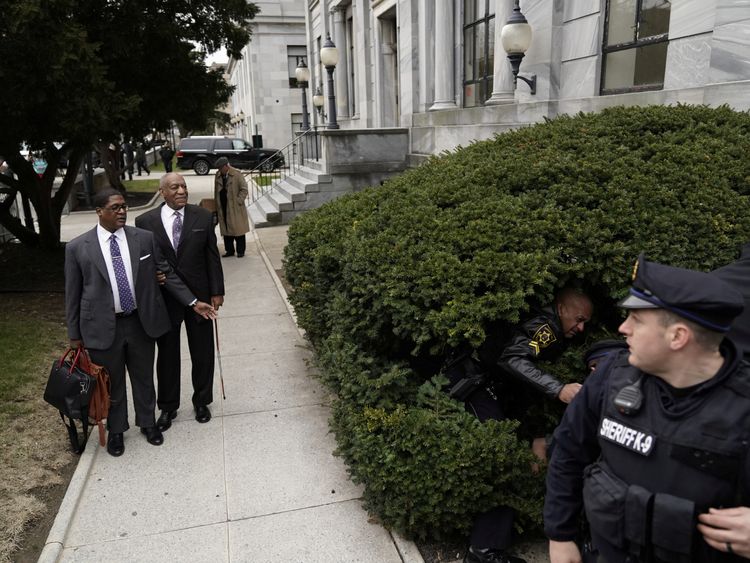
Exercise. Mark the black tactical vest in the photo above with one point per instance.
(658, 470)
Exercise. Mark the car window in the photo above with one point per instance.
(239, 144)
(194, 144)
(223, 144)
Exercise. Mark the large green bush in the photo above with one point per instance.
(387, 280)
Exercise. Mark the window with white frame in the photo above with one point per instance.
(479, 50)
(636, 36)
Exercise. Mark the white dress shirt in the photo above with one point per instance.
(167, 219)
(122, 241)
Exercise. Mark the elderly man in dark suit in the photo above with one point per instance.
(186, 237)
(115, 309)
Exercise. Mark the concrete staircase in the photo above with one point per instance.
(306, 189)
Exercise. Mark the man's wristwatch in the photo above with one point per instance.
(193, 302)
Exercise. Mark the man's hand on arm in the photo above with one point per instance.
(161, 277)
(568, 392)
(204, 310)
(217, 301)
(722, 526)
(564, 552)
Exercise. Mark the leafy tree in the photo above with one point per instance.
(82, 72)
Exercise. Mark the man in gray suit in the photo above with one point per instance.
(115, 309)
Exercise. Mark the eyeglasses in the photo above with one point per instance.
(116, 208)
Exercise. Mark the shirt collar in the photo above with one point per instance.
(104, 235)
(167, 211)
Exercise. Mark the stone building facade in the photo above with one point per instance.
(266, 100)
(437, 67)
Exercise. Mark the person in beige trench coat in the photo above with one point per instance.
(230, 192)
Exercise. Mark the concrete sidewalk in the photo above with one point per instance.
(258, 483)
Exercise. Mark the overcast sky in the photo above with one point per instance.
(217, 57)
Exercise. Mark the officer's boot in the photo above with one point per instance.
(489, 555)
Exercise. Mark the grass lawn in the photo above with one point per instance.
(149, 185)
(158, 166)
(35, 458)
(263, 180)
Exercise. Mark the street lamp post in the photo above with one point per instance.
(329, 56)
(516, 39)
(303, 76)
(318, 101)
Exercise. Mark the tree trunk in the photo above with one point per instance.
(39, 191)
(111, 162)
(26, 184)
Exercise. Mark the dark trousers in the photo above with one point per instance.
(167, 165)
(200, 335)
(132, 349)
(229, 244)
(494, 528)
(142, 167)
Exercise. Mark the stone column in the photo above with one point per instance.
(444, 50)
(342, 69)
(502, 81)
(426, 49)
(389, 90)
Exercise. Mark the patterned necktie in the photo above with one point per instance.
(123, 287)
(176, 229)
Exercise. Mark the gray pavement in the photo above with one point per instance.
(258, 482)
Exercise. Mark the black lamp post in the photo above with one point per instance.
(516, 39)
(329, 56)
(318, 101)
(303, 76)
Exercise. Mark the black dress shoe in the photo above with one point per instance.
(202, 414)
(153, 435)
(489, 555)
(240, 255)
(115, 444)
(227, 254)
(165, 420)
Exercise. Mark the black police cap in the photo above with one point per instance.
(697, 296)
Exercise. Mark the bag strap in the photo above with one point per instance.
(76, 355)
(78, 447)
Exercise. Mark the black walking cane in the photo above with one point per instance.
(218, 355)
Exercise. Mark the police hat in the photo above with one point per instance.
(697, 296)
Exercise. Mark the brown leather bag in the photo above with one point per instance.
(99, 401)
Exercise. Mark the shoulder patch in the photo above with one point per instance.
(543, 337)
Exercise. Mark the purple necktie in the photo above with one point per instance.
(176, 229)
(123, 287)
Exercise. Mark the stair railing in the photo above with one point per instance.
(283, 163)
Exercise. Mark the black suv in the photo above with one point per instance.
(200, 154)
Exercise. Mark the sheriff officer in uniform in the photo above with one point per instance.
(657, 439)
(543, 337)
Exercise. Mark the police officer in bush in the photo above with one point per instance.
(655, 446)
(542, 337)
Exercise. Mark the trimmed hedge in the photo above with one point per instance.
(389, 279)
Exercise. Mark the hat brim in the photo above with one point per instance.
(633, 302)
